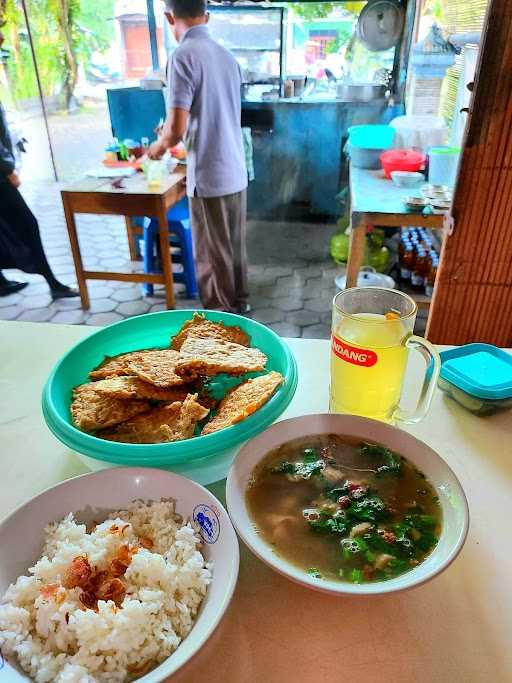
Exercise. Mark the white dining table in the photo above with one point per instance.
(456, 628)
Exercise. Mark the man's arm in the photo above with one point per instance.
(173, 131)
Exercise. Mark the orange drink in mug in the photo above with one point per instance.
(371, 337)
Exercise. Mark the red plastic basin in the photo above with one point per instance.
(401, 160)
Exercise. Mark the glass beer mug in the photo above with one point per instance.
(371, 337)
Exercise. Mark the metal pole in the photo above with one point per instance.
(39, 87)
(152, 35)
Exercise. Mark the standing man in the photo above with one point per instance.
(204, 109)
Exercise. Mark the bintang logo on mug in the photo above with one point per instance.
(351, 354)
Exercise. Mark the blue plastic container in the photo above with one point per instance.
(371, 136)
(204, 458)
(478, 376)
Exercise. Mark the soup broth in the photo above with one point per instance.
(345, 510)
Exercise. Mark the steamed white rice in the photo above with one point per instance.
(56, 639)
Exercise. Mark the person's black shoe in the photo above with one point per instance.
(63, 293)
(244, 309)
(11, 286)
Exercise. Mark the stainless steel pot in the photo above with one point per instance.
(360, 92)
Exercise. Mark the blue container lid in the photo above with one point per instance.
(371, 136)
(482, 370)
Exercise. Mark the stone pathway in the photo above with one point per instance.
(291, 274)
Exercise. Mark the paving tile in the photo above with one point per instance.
(103, 318)
(295, 280)
(10, 312)
(100, 291)
(111, 263)
(332, 270)
(63, 270)
(267, 315)
(282, 291)
(133, 308)
(288, 303)
(102, 305)
(285, 329)
(155, 298)
(303, 318)
(258, 301)
(35, 288)
(316, 332)
(278, 271)
(10, 300)
(37, 315)
(309, 271)
(158, 307)
(37, 301)
(193, 304)
(319, 305)
(64, 260)
(67, 304)
(106, 253)
(68, 279)
(76, 317)
(122, 285)
(127, 294)
(59, 251)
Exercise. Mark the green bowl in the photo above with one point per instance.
(155, 330)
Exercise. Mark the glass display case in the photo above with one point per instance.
(255, 36)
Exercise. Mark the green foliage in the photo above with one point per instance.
(321, 10)
(434, 8)
(65, 33)
(312, 10)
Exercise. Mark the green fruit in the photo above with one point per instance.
(339, 247)
(379, 259)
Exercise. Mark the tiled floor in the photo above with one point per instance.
(291, 273)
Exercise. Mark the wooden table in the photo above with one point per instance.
(134, 198)
(375, 200)
(454, 629)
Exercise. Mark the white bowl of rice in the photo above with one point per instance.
(113, 576)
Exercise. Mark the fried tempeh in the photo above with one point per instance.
(157, 367)
(244, 400)
(133, 387)
(211, 357)
(173, 422)
(91, 411)
(115, 366)
(201, 328)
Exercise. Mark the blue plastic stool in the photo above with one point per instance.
(180, 239)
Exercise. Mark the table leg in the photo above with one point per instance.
(77, 256)
(356, 252)
(165, 251)
(132, 242)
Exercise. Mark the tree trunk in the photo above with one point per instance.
(65, 20)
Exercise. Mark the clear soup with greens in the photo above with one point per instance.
(344, 509)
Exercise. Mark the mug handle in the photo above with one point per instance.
(433, 366)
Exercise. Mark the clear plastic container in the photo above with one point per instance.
(478, 406)
(478, 376)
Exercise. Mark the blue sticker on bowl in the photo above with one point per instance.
(208, 520)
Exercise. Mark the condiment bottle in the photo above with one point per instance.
(431, 276)
(408, 263)
(404, 242)
(420, 270)
(288, 88)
